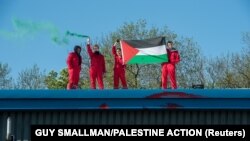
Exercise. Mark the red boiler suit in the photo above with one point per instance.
(119, 70)
(97, 68)
(74, 69)
(168, 68)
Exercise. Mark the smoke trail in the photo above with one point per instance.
(23, 29)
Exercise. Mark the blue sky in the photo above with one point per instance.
(216, 25)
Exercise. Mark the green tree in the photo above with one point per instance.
(215, 68)
(231, 70)
(51, 80)
(190, 70)
(31, 78)
(57, 81)
(6, 81)
(241, 63)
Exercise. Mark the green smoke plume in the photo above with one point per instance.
(24, 29)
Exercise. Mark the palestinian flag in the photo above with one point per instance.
(149, 51)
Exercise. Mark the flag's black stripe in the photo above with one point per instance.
(147, 42)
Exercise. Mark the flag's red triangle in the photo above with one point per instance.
(128, 52)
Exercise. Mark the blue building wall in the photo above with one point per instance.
(121, 107)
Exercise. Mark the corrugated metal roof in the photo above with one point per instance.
(121, 107)
(23, 120)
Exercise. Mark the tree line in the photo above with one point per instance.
(231, 70)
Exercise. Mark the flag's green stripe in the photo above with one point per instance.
(148, 59)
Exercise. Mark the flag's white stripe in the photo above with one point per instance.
(157, 50)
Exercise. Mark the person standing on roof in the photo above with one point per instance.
(74, 62)
(119, 67)
(97, 66)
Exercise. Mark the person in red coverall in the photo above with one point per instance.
(74, 62)
(168, 68)
(97, 66)
(119, 67)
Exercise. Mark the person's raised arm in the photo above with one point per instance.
(90, 52)
(114, 47)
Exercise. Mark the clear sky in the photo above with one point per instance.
(216, 25)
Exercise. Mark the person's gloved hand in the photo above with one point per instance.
(117, 41)
(88, 40)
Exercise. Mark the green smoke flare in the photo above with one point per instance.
(76, 35)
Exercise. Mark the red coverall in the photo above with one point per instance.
(168, 68)
(119, 70)
(97, 69)
(74, 69)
